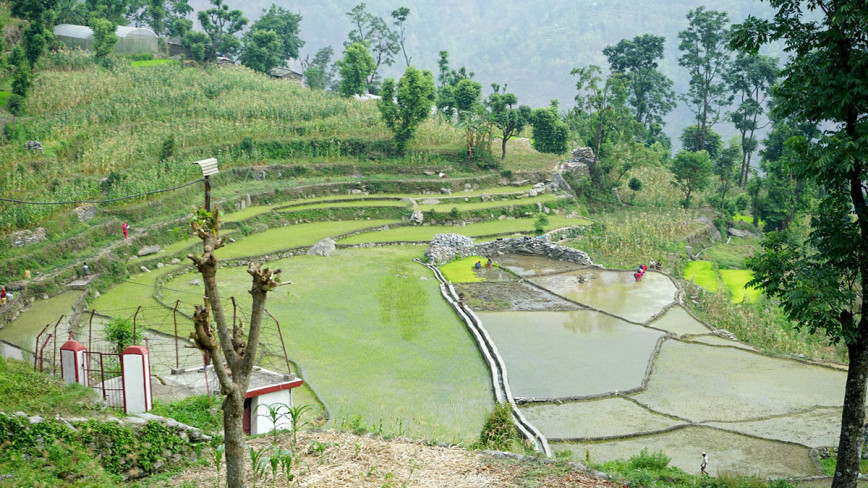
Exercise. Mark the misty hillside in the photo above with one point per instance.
(532, 46)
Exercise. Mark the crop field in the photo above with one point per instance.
(702, 273)
(427, 232)
(624, 239)
(374, 339)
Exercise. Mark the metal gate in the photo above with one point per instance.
(104, 374)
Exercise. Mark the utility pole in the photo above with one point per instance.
(209, 167)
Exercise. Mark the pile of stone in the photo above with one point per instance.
(446, 247)
(582, 160)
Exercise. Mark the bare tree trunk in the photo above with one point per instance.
(853, 416)
(233, 432)
(503, 148)
(231, 350)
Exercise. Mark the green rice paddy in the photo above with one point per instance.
(736, 280)
(462, 271)
(425, 233)
(291, 236)
(702, 273)
(408, 373)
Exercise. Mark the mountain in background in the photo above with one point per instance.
(530, 45)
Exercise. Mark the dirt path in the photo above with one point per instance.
(351, 460)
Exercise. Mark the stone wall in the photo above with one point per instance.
(445, 247)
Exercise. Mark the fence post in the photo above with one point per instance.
(136, 374)
(72, 368)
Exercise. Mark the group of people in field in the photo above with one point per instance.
(640, 271)
(478, 264)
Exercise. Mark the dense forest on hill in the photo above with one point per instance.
(531, 46)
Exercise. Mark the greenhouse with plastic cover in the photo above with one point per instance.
(130, 39)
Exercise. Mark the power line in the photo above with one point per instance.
(102, 201)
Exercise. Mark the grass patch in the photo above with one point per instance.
(373, 336)
(702, 273)
(426, 233)
(462, 271)
(762, 325)
(736, 280)
(368, 202)
(828, 464)
(733, 253)
(246, 213)
(3, 96)
(32, 392)
(749, 219)
(195, 411)
(152, 62)
(291, 236)
(653, 470)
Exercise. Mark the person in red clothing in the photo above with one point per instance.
(3, 296)
(637, 275)
(126, 228)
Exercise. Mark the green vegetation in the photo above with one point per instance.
(425, 233)
(152, 62)
(462, 271)
(293, 236)
(702, 273)
(196, 411)
(652, 470)
(498, 431)
(412, 365)
(22, 389)
(736, 280)
(625, 238)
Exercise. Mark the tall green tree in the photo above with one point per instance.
(651, 93)
(449, 79)
(32, 10)
(725, 166)
(750, 80)
(220, 25)
(602, 103)
(34, 40)
(690, 141)
(115, 11)
(286, 25)
(263, 50)
(104, 38)
(786, 194)
(692, 171)
(400, 18)
(23, 78)
(376, 35)
(550, 133)
(511, 120)
(355, 67)
(318, 72)
(706, 56)
(821, 283)
(408, 106)
(70, 12)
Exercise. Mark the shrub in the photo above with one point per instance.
(119, 332)
(498, 431)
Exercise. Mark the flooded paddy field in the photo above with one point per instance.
(632, 369)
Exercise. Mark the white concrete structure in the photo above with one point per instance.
(278, 397)
(136, 367)
(72, 368)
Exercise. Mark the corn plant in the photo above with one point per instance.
(258, 461)
(218, 460)
(295, 413)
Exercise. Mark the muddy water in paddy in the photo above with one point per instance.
(752, 413)
(570, 354)
(23, 330)
(616, 292)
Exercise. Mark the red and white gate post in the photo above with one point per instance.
(72, 368)
(136, 371)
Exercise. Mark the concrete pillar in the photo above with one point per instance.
(72, 368)
(136, 371)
